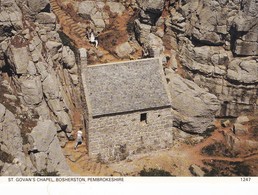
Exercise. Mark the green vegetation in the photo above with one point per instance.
(218, 149)
(154, 172)
(44, 172)
(225, 168)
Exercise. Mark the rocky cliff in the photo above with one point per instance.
(212, 43)
(39, 84)
(208, 48)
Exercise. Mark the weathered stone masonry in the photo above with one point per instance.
(115, 137)
(128, 109)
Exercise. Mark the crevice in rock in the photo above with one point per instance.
(47, 8)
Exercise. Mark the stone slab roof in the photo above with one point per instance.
(125, 87)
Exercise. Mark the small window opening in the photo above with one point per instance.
(143, 117)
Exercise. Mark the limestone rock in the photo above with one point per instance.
(243, 71)
(142, 31)
(226, 123)
(43, 111)
(46, 18)
(38, 5)
(31, 69)
(195, 106)
(154, 45)
(242, 119)
(152, 10)
(64, 121)
(10, 18)
(196, 170)
(240, 129)
(124, 50)
(94, 11)
(2, 112)
(53, 47)
(11, 170)
(151, 5)
(42, 135)
(50, 87)
(11, 142)
(46, 152)
(68, 57)
(116, 7)
(32, 90)
(18, 58)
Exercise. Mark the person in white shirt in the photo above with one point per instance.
(78, 139)
(93, 39)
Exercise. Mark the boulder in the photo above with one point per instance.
(242, 119)
(46, 152)
(64, 121)
(18, 58)
(94, 11)
(142, 31)
(31, 90)
(50, 87)
(46, 18)
(225, 123)
(86, 8)
(196, 170)
(39, 5)
(155, 6)
(42, 136)
(240, 129)
(154, 45)
(124, 50)
(116, 7)
(42, 70)
(68, 58)
(31, 69)
(53, 47)
(43, 110)
(196, 107)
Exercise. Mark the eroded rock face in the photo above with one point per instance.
(38, 5)
(94, 11)
(32, 58)
(218, 48)
(124, 50)
(18, 58)
(10, 18)
(12, 155)
(194, 107)
(32, 90)
(45, 149)
(151, 10)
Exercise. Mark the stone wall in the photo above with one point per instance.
(118, 136)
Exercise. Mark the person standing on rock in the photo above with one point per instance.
(79, 139)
